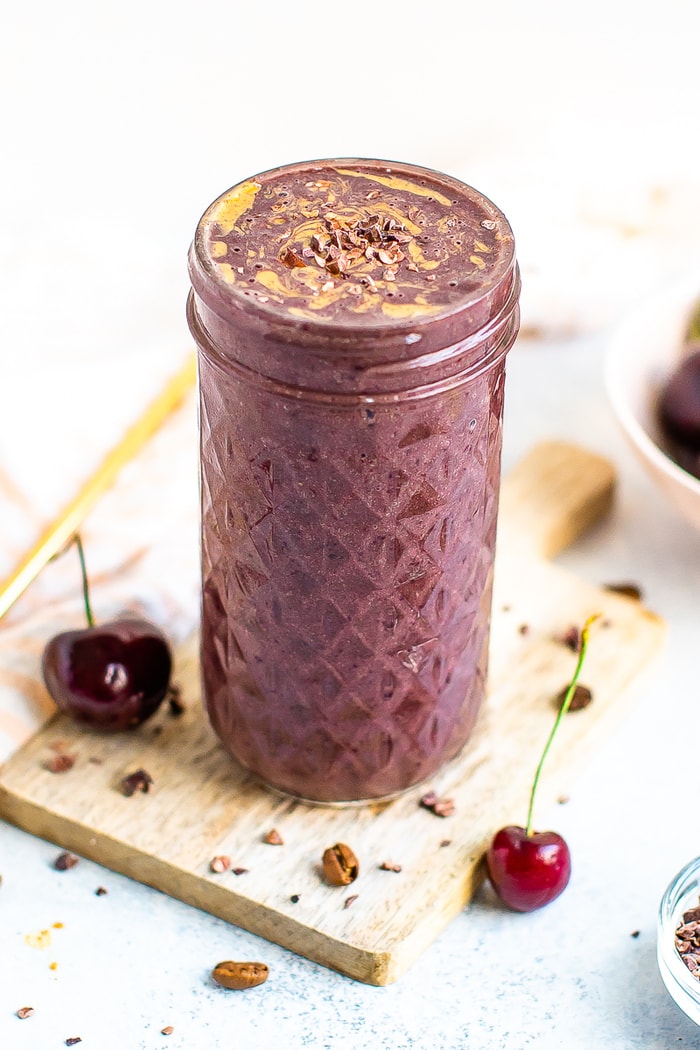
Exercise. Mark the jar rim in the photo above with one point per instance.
(378, 384)
(447, 324)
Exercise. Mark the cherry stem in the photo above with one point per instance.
(86, 589)
(565, 705)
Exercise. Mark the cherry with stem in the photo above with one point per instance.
(111, 676)
(528, 868)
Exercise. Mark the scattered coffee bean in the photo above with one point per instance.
(571, 638)
(628, 590)
(168, 1030)
(220, 864)
(237, 976)
(340, 865)
(24, 1012)
(441, 807)
(175, 704)
(59, 763)
(273, 838)
(101, 891)
(140, 780)
(582, 698)
(65, 861)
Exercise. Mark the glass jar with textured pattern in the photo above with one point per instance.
(352, 319)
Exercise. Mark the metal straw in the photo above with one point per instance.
(71, 517)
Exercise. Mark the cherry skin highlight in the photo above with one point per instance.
(528, 871)
(112, 677)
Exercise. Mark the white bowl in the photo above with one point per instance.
(643, 353)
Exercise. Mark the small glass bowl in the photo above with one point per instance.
(681, 895)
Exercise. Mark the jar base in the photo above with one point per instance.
(341, 804)
(362, 803)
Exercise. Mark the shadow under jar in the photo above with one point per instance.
(352, 319)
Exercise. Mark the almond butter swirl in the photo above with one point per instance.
(351, 241)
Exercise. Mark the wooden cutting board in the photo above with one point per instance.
(202, 805)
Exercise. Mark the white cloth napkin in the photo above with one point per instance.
(142, 553)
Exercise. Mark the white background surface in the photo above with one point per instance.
(120, 124)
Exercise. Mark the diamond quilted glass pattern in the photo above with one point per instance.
(347, 562)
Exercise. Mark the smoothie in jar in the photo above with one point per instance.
(352, 319)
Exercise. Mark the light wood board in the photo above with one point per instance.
(202, 805)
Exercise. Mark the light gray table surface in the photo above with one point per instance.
(571, 975)
(121, 122)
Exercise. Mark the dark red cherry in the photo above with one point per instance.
(679, 405)
(112, 677)
(528, 871)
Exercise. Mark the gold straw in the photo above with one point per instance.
(66, 524)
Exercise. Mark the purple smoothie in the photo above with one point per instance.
(352, 319)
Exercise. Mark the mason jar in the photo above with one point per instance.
(352, 319)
